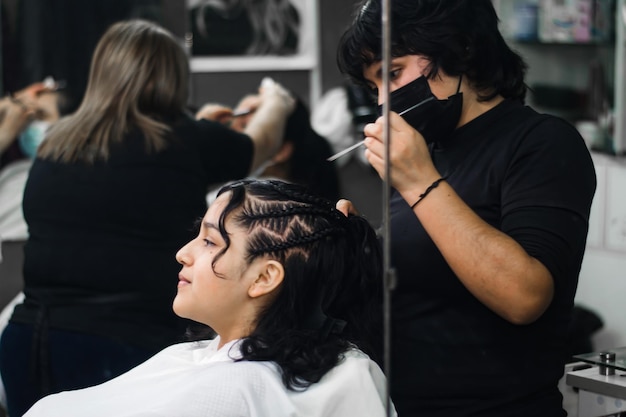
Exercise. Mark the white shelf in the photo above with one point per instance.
(255, 63)
(306, 59)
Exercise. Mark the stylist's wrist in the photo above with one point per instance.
(413, 193)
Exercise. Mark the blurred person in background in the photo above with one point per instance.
(302, 158)
(25, 116)
(109, 200)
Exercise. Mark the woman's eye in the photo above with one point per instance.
(393, 74)
(207, 242)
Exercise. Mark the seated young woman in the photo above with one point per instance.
(290, 289)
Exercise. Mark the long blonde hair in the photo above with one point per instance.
(138, 79)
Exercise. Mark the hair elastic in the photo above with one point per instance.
(428, 190)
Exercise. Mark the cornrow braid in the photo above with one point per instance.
(286, 212)
(298, 195)
(313, 200)
(299, 241)
(316, 204)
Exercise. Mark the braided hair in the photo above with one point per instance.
(330, 299)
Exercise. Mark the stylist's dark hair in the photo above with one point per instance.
(331, 296)
(458, 36)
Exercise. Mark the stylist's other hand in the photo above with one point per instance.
(346, 207)
(31, 92)
(29, 97)
(18, 109)
(411, 165)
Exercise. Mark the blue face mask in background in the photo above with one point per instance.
(32, 136)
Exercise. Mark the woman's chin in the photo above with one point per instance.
(178, 308)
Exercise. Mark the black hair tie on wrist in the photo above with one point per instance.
(428, 190)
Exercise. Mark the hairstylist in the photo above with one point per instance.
(489, 213)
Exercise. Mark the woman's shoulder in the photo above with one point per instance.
(520, 127)
(355, 364)
(530, 120)
(553, 135)
(356, 386)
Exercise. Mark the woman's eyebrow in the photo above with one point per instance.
(209, 225)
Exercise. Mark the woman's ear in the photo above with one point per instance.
(270, 276)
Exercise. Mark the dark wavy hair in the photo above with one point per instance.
(330, 299)
(458, 36)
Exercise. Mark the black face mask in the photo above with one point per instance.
(435, 119)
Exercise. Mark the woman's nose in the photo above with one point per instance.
(182, 256)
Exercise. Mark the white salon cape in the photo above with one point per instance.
(196, 379)
(12, 182)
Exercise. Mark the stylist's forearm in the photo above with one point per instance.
(489, 263)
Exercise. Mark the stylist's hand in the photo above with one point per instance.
(216, 112)
(29, 94)
(411, 165)
(346, 207)
(14, 116)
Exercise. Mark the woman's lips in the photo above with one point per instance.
(182, 281)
